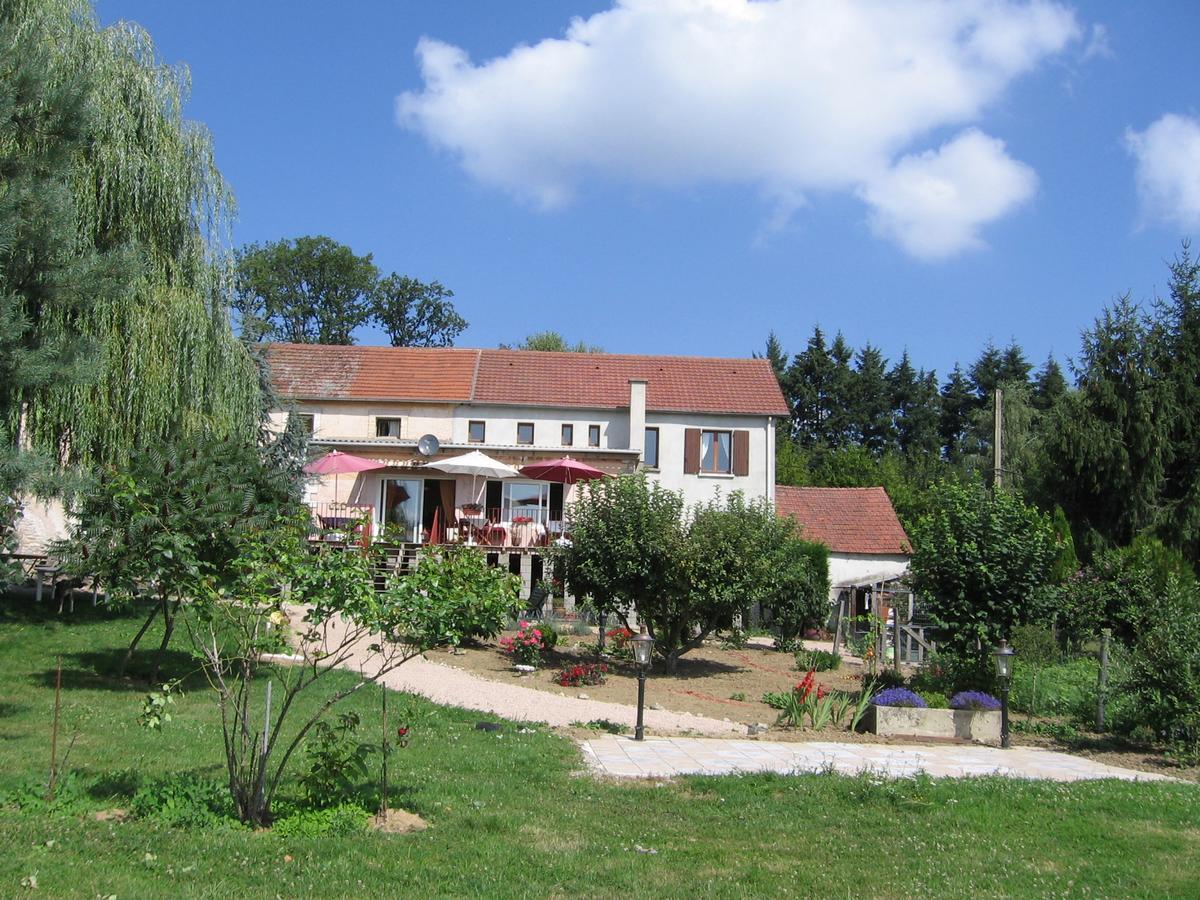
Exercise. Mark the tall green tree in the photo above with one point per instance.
(415, 314)
(307, 290)
(776, 354)
(872, 401)
(957, 402)
(141, 179)
(1048, 385)
(806, 385)
(552, 342)
(1179, 330)
(49, 278)
(1108, 443)
(981, 560)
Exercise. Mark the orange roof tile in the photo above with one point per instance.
(317, 371)
(846, 520)
(525, 378)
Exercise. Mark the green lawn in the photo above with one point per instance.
(510, 814)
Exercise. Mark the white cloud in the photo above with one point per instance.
(934, 203)
(790, 96)
(1168, 169)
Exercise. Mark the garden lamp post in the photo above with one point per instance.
(643, 644)
(1004, 655)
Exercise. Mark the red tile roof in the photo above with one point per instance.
(846, 520)
(525, 378)
(317, 371)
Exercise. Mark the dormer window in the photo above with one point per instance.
(387, 428)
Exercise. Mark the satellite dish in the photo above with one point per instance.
(428, 445)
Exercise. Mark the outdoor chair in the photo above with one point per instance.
(536, 607)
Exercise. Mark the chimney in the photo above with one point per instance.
(637, 414)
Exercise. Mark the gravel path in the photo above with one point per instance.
(454, 687)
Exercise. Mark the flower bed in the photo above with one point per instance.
(899, 712)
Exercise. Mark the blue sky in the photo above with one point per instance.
(683, 176)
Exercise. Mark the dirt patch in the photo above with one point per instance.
(111, 815)
(710, 681)
(397, 821)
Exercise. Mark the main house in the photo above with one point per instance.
(697, 425)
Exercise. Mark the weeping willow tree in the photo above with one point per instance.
(166, 361)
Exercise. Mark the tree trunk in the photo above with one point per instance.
(137, 638)
(169, 610)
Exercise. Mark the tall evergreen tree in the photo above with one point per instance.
(1108, 442)
(1048, 385)
(776, 354)
(839, 427)
(957, 402)
(987, 372)
(871, 401)
(1014, 366)
(1180, 316)
(808, 382)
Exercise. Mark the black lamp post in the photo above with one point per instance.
(643, 644)
(1004, 655)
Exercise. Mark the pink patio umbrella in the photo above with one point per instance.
(562, 471)
(335, 462)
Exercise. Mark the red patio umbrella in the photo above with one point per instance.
(563, 471)
(336, 462)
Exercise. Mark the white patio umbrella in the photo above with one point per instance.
(474, 464)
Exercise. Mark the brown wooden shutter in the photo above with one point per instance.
(741, 453)
(691, 451)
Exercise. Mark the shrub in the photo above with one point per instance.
(618, 638)
(976, 700)
(582, 674)
(888, 678)
(949, 672)
(935, 700)
(181, 800)
(818, 660)
(338, 820)
(734, 639)
(336, 761)
(526, 646)
(898, 696)
(549, 632)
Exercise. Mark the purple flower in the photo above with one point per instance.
(898, 696)
(974, 700)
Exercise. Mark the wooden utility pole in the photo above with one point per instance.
(997, 438)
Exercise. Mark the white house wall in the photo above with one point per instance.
(851, 567)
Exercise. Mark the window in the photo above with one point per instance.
(524, 432)
(528, 500)
(650, 453)
(715, 452)
(476, 431)
(568, 435)
(389, 428)
(308, 422)
(593, 435)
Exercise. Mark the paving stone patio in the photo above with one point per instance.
(665, 757)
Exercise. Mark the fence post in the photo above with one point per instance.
(1102, 686)
(837, 623)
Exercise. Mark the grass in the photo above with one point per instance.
(510, 813)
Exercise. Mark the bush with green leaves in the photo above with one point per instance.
(453, 596)
(182, 800)
(337, 761)
(170, 523)
(334, 821)
(1162, 677)
(818, 660)
(981, 563)
(799, 597)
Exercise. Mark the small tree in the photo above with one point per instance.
(981, 561)
(169, 524)
(633, 553)
(452, 594)
(627, 543)
(799, 597)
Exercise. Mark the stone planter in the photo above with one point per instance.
(980, 726)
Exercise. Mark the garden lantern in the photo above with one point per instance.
(643, 645)
(1004, 655)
